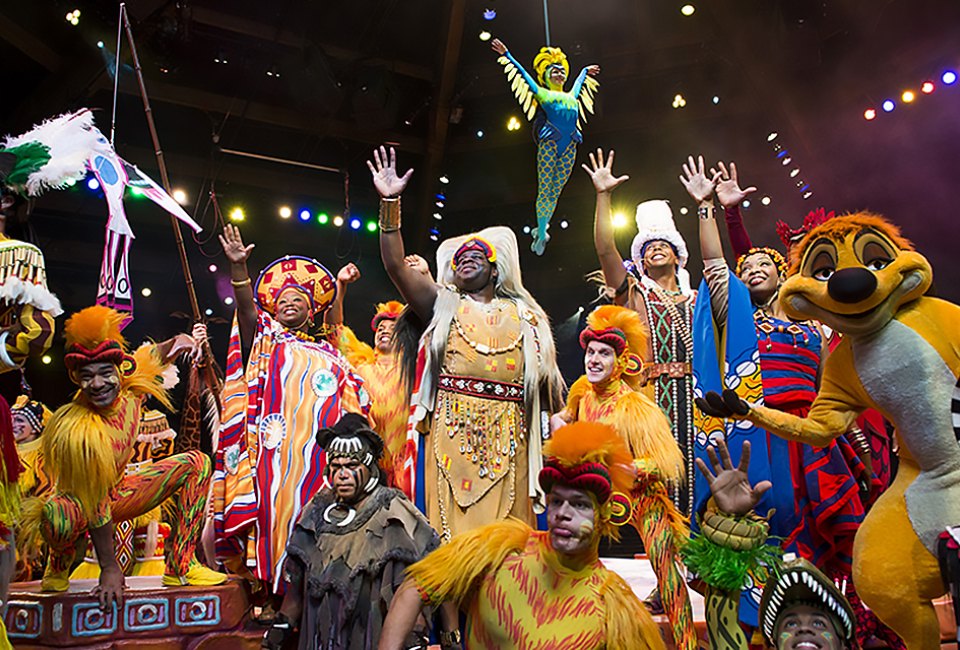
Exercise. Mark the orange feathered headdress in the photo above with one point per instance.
(621, 329)
(389, 310)
(589, 456)
(93, 335)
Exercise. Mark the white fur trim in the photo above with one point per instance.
(171, 376)
(13, 290)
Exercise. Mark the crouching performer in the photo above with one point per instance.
(88, 443)
(349, 550)
(522, 588)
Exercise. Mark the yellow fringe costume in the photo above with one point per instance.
(659, 462)
(518, 592)
(87, 448)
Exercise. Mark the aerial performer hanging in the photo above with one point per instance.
(556, 125)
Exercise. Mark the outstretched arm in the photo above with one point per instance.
(700, 188)
(497, 46)
(238, 254)
(604, 182)
(347, 275)
(417, 289)
(731, 196)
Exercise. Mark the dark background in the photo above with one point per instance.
(354, 74)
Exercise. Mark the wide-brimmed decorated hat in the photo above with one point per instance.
(305, 274)
(798, 582)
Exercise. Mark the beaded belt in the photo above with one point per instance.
(482, 387)
(673, 369)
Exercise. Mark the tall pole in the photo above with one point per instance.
(546, 21)
(161, 163)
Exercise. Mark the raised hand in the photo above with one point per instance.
(233, 246)
(348, 274)
(417, 263)
(497, 46)
(699, 186)
(593, 70)
(729, 192)
(601, 173)
(730, 485)
(384, 172)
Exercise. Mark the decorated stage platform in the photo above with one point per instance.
(152, 617)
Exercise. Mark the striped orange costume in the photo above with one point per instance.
(659, 462)
(520, 592)
(86, 449)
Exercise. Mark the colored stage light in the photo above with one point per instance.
(93, 184)
(745, 204)
(323, 219)
(564, 224)
(136, 192)
(228, 301)
(765, 200)
(485, 35)
(679, 101)
(807, 195)
(927, 87)
(338, 221)
(684, 210)
(687, 10)
(212, 268)
(371, 226)
(305, 215)
(180, 196)
(479, 133)
(146, 292)
(237, 214)
(434, 238)
(513, 124)
(888, 105)
(716, 99)
(46, 359)
(794, 172)
(355, 223)
(619, 220)
(949, 77)
(908, 96)
(437, 216)
(444, 179)
(285, 212)
(526, 230)
(870, 114)
(773, 136)
(208, 311)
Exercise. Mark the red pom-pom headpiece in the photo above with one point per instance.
(790, 236)
(386, 311)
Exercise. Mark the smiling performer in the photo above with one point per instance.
(541, 590)
(88, 443)
(899, 355)
(557, 116)
(608, 393)
(268, 463)
(772, 359)
(658, 289)
(487, 370)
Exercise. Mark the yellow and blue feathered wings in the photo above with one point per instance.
(529, 94)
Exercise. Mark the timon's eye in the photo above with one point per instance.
(820, 262)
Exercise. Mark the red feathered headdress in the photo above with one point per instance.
(790, 236)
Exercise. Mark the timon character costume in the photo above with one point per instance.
(486, 374)
(511, 582)
(268, 463)
(899, 355)
(85, 452)
(659, 463)
(556, 124)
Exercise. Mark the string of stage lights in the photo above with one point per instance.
(908, 96)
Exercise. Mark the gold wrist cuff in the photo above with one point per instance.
(390, 214)
(240, 283)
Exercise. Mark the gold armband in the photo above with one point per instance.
(390, 214)
(240, 283)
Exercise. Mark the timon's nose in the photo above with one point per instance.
(851, 286)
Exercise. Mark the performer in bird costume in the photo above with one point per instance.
(609, 393)
(522, 588)
(86, 447)
(899, 355)
(556, 123)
